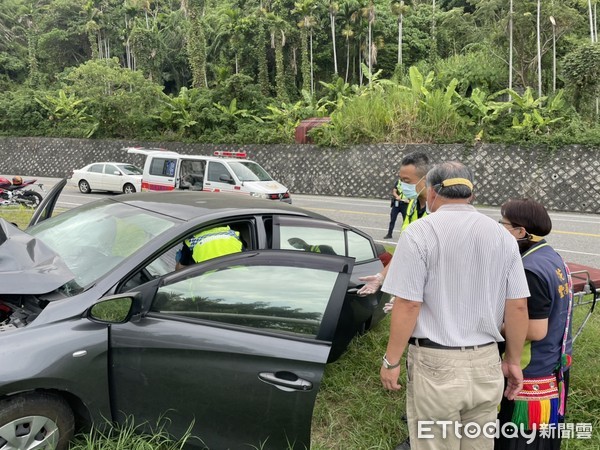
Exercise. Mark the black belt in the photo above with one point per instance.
(424, 342)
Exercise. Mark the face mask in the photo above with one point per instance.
(409, 190)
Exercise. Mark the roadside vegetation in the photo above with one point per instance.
(19, 215)
(400, 71)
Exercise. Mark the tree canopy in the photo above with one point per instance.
(248, 71)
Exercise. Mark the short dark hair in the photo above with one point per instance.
(529, 214)
(446, 171)
(418, 159)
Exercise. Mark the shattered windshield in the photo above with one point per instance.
(95, 238)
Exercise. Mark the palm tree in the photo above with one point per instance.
(227, 30)
(261, 51)
(539, 47)
(399, 9)
(305, 9)
(28, 15)
(591, 13)
(278, 27)
(369, 13)
(433, 36)
(333, 10)
(510, 48)
(196, 44)
(348, 10)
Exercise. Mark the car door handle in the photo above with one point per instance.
(286, 381)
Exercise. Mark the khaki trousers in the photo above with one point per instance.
(461, 387)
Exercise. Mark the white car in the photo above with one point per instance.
(108, 176)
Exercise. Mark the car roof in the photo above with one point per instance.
(212, 158)
(110, 162)
(188, 206)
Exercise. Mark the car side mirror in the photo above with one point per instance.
(111, 310)
(116, 172)
(226, 179)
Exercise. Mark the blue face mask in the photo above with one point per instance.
(409, 190)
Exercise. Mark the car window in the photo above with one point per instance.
(270, 298)
(249, 171)
(166, 262)
(316, 240)
(109, 169)
(129, 169)
(319, 236)
(96, 168)
(215, 170)
(164, 167)
(359, 247)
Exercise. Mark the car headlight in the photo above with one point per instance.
(259, 195)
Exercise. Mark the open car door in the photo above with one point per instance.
(46, 207)
(234, 347)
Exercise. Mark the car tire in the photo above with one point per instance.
(128, 188)
(35, 420)
(84, 187)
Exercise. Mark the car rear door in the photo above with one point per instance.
(112, 179)
(95, 176)
(234, 347)
(314, 235)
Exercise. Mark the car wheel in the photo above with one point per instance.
(35, 420)
(84, 187)
(128, 188)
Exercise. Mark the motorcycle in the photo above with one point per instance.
(18, 194)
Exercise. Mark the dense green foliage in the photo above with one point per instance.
(248, 71)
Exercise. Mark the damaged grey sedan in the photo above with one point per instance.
(96, 323)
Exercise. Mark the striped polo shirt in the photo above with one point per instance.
(462, 266)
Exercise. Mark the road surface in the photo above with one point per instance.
(575, 236)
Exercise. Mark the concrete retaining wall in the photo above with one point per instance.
(564, 180)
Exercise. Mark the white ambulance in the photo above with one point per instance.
(226, 171)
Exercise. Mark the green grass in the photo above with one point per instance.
(353, 411)
(16, 214)
(20, 215)
(132, 437)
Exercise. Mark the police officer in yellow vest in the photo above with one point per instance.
(398, 204)
(208, 244)
(413, 169)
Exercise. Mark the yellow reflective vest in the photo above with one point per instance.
(412, 213)
(215, 242)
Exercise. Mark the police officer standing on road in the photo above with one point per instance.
(398, 205)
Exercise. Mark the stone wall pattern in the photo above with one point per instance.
(566, 179)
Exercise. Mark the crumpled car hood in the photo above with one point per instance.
(27, 265)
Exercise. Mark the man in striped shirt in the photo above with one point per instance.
(457, 277)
